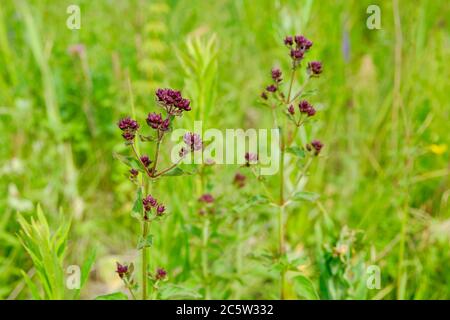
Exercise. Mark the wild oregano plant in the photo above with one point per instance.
(290, 113)
(144, 171)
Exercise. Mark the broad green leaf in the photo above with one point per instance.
(33, 289)
(252, 201)
(171, 291)
(304, 288)
(146, 138)
(305, 196)
(145, 242)
(129, 161)
(113, 296)
(136, 211)
(86, 269)
(177, 171)
(296, 151)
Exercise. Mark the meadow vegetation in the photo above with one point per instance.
(376, 196)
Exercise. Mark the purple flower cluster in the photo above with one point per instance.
(150, 202)
(156, 122)
(272, 88)
(172, 101)
(122, 270)
(160, 274)
(314, 68)
(298, 45)
(193, 141)
(316, 145)
(206, 198)
(277, 75)
(129, 128)
(133, 173)
(239, 180)
(291, 110)
(305, 107)
(250, 158)
(145, 160)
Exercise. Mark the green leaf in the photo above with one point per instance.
(86, 269)
(296, 151)
(172, 291)
(252, 201)
(305, 288)
(33, 288)
(113, 296)
(136, 211)
(258, 199)
(305, 196)
(146, 138)
(145, 242)
(129, 161)
(177, 171)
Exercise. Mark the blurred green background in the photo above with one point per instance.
(384, 119)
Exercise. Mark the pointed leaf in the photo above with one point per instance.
(136, 211)
(113, 296)
(304, 288)
(296, 151)
(305, 196)
(145, 242)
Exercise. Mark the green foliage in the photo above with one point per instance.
(379, 173)
(200, 64)
(47, 250)
(113, 296)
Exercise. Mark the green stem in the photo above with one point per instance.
(144, 261)
(158, 144)
(205, 267)
(281, 244)
(131, 292)
(133, 147)
(299, 91)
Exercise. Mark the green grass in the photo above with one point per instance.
(384, 173)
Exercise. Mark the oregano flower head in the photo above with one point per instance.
(129, 128)
(314, 68)
(306, 107)
(172, 101)
(193, 141)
